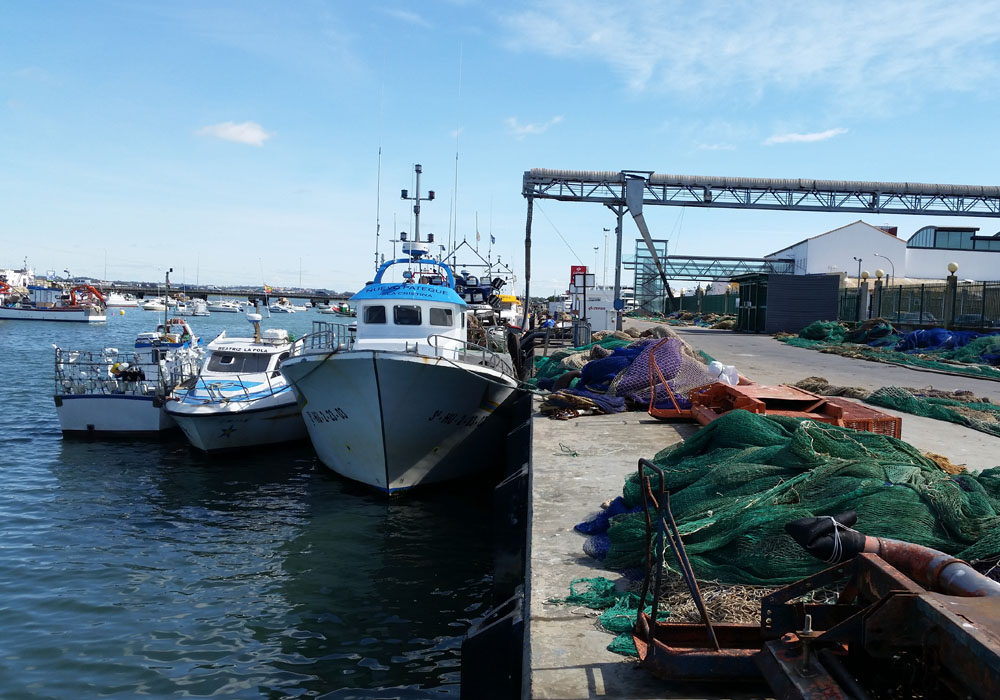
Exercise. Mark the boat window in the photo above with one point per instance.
(239, 362)
(375, 314)
(441, 317)
(406, 315)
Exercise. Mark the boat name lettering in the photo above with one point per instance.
(457, 419)
(230, 348)
(330, 415)
(417, 292)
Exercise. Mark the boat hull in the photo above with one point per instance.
(111, 414)
(81, 315)
(238, 425)
(394, 420)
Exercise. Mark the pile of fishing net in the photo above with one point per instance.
(549, 369)
(962, 407)
(736, 482)
(616, 376)
(702, 320)
(957, 352)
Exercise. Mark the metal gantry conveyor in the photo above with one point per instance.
(631, 189)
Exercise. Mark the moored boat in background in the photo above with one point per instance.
(224, 306)
(35, 302)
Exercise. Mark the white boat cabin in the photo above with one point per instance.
(422, 315)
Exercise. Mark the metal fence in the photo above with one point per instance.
(976, 305)
(705, 303)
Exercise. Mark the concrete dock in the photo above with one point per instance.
(580, 463)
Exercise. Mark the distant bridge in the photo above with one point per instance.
(201, 292)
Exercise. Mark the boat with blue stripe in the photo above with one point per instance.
(240, 398)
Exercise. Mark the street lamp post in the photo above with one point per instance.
(892, 268)
(604, 278)
(857, 312)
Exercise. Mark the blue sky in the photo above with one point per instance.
(239, 140)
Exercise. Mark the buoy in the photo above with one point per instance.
(121, 312)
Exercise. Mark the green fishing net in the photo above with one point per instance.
(620, 609)
(984, 417)
(569, 359)
(736, 482)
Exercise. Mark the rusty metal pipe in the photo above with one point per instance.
(933, 569)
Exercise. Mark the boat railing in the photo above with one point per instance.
(324, 337)
(110, 372)
(467, 352)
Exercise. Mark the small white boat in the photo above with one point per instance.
(408, 400)
(199, 308)
(33, 302)
(153, 304)
(118, 300)
(282, 306)
(240, 399)
(224, 306)
(183, 308)
(343, 309)
(110, 393)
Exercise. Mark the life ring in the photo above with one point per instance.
(4, 288)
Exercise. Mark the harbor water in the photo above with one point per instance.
(146, 569)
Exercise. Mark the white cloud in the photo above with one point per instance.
(521, 130)
(250, 133)
(866, 54)
(407, 16)
(804, 138)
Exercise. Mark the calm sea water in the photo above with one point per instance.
(147, 569)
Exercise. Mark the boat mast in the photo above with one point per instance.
(166, 301)
(414, 249)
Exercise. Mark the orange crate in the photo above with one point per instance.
(858, 417)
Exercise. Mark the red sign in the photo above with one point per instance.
(576, 270)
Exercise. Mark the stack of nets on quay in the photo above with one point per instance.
(961, 407)
(687, 318)
(612, 374)
(737, 482)
(958, 352)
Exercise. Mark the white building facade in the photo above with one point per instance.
(925, 256)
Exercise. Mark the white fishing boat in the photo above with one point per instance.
(224, 306)
(240, 398)
(510, 312)
(35, 302)
(408, 400)
(122, 393)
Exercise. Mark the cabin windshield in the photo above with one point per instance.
(239, 362)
